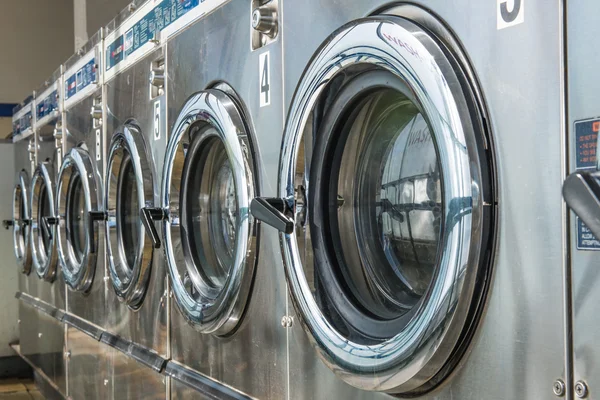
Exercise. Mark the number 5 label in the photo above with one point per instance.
(264, 69)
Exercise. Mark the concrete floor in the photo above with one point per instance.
(19, 389)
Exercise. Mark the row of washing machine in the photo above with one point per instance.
(314, 199)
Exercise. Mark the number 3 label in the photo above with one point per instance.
(264, 69)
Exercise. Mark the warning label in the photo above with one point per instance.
(586, 135)
(585, 238)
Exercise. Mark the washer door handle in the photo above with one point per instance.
(94, 216)
(274, 212)
(148, 215)
(581, 191)
(46, 223)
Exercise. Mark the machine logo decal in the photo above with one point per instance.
(157, 120)
(264, 69)
(510, 13)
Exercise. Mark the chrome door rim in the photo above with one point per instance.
(44, 262)
(419, 351)
(22, 223)
(129, 282)
(78, 275)
(221, 314)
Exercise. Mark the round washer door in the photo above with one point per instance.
(77, 204)
(22, 222)
(129, 191)
(209, 235)
(43, 221)
(387, 180)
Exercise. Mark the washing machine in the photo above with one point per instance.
(138, 297)
(24, 148)
(24, 143)
(80, 231)
(51, 288)
(417, 204)
(581, 193)
(227, 304)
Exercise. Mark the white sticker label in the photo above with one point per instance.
(157, 120)
(510, 13)
(98, 144)
(264, 69)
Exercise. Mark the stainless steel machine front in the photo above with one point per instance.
(583, 126)
(44, 222)
(228, 291)
(24, 142)
(138, 298)
(80, 207)
(415, 256)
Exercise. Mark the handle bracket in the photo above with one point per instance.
(274, 212)
(93, 217)
(581, 191)
(148, 215)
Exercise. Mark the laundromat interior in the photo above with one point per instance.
(285, 199)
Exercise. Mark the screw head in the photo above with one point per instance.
(255, 18)
(287, 321)
(581, 389)
(559, 387)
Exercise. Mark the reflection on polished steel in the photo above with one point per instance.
(43, 221)
(415, 354)
(22, 222)
(77, 200)
(210, 288)
(129, 187)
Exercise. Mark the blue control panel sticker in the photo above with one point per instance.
(22, 124)
(586, 135)
(163, 15)
(47, 105)
(81, 79)
(585, 238)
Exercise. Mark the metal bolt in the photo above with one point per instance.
(157, 77)
(67, 354)
(559, 387)
(132, 7)
(96, 111)
(40, 334)
(581, 389)
(287, 321)
(19, 321)
(105, 382)
(264, 20)
(106, 279)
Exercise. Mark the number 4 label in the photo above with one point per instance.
(265, 79)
